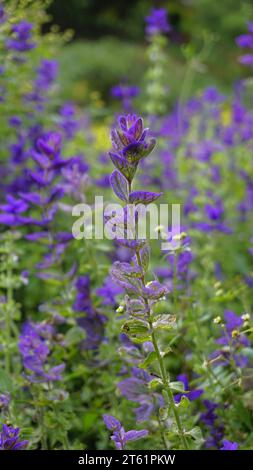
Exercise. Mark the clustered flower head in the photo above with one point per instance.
(119, 435)
(157, 22)
(245, 41)
(10, 440)
(131, 143)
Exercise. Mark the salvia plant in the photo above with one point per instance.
(114, 342)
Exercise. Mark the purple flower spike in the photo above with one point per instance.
(157, 22)
(246, 41)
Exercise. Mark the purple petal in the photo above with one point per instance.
(119, 185)
(143, 197)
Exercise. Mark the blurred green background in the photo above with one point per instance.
(109, 44)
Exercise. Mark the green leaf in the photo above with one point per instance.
(134, 327)
(243, 414)
(137, 330)
(149, 360)
(184, 403)
(177, 387)
(75, 335)
(155, 383)
(247, 352)
(164, 322)
(5, 381)
(145, 256)
(140, 339)
(163, 413)
(196, 434)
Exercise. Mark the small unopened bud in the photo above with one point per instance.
(180, 236)
(246, 316)
(219, 292)
(217, 320)
(217, 285)
(235, 334)
(120, 309)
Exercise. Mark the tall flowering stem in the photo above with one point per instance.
(131, 144)
(157, 26)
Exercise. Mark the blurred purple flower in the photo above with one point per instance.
(90, 320)
(34, 346)
(21, 37)
(109, 291)
(9, 439)
(4, 400)
(211, 420)
(68, 121)
(227, 445)
(125, 93)
(46, 74)
(134, 388)
(246, 41)
(120, 436)
(191, 394)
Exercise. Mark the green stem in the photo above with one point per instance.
(169, 391)
(65, 441)
(42, 428)
(8, 312)
(163, 370)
